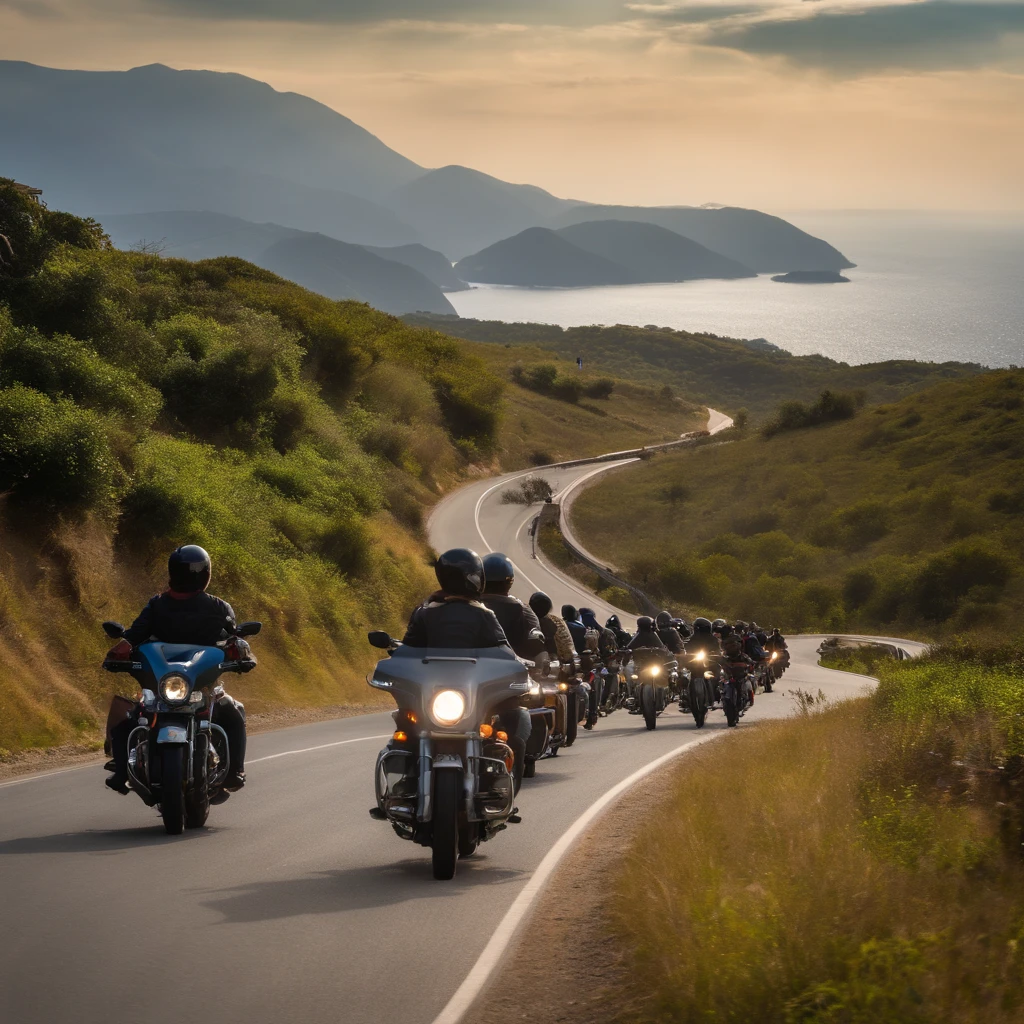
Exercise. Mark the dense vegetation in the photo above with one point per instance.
(146, 401)
(722, 372)
(868, 869)
(909, 516)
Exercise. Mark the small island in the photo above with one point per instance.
(812, 277)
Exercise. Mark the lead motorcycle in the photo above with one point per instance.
(445, 780)
(178, 758)
(651, 675)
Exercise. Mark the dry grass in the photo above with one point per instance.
(840, 867)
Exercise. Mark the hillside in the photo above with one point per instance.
(342, 271)
(651, 253)
(907, 519)
(411, 279)
(757, 240)
(461, 210)
(540, 258)
(725, 373)
(145, 401)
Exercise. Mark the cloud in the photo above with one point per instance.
(919, 35)
(567, 12)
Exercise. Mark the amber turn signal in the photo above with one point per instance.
(563, 687)
(487, 731)
(503, 737)
(400, 737)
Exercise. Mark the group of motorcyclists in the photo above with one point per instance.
(472, 609)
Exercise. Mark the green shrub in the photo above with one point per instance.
(950, 575)
(53, 453)
(829, 408)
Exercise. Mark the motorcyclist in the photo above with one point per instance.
(183, 614)
(557, 638)
(646, 635)
(703, 639)
(738, 663)
(668, 633)
(455, 617)
(622, 636)
(607, 646)
(519, 621)
(572, 619)
(682, 627)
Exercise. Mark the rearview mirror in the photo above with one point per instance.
(248, 628)
(379, 638)
(114, 630)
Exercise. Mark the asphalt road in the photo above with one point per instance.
(294, 905)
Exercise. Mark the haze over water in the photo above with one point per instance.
(926, 286)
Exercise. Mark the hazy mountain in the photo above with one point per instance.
(757, 240)
(539, 257)
(153, 138)
(342, 271)
(652, 253)
(200, 120)
(459, 210)
(433, 265)
(322, 264)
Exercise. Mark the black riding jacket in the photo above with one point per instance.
(445, 620)
(707, 642)
(671, 639)
(519, 623)
(647, 638)
(174, 618)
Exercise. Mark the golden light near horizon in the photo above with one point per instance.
(762, 103)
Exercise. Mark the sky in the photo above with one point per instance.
(780, 104)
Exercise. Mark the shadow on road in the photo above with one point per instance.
(99, 840)
(361, 888)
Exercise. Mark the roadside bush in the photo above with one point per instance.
(950, 575)
(829, 408)
(53, 453)
(530, 491)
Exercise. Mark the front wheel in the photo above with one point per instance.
(730, 705)
(530, 768)
(698, 696)
(444, 844)
(172, 789)
(649, 705)
(197, 802)
(572, 721)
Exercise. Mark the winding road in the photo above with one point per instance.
(294, 905)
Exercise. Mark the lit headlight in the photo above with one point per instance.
(709, 675)
(699, 655)
(775, 654)
(634, 676)
(563, 687)
(655, 670)
(535, 690)
(448, 708)
(174, 688)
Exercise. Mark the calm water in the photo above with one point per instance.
(926, 286)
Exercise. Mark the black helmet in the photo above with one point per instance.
(663, 620)
(498, 568)
(570, 612)
(188, 569)
(717, 625)
(460, 571)
(540, 603)
(613, 622)
(645, 622)
(702, 625)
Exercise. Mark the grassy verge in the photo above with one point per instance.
(859, 864)
(864, 661)
(905, 517)
(552, 546)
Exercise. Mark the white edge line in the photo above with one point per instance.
(467, 993)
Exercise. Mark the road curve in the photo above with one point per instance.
(295, 905)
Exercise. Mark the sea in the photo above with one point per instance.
(928, 286)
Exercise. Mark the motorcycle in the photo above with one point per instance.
(178, 758)
(737, 694)
(577, 694)
(699, 694)
(445, 780)
(650, 678)
(547, 704)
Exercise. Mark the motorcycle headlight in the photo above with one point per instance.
(634, 676)
(775, 654)
(709, 675)
(563, 687)
(535, 690)
(655, 670)
(448, 707)
(699, 655)
(174, 688)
